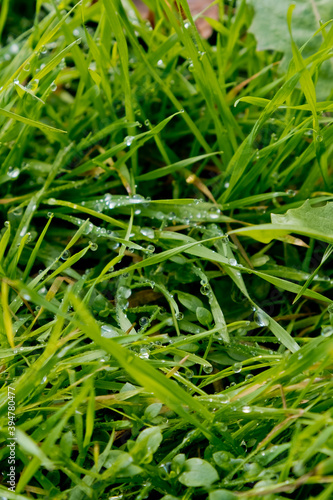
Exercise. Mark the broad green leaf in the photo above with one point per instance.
(147, 443)
(152, 410)
(120, 464)
(198, 472)
(308, 14)
(204, 316)
(315, 222)
(189, 301)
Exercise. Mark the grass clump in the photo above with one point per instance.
(166, 295)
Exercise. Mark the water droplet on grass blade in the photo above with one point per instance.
(223, 398)
(150, 248)
(33, 84)
(143, 321)
(108, 331)
(237, 367)
(18, 211)
(14, 48)
(65, 255)
(13, 173)
(144, 353)
(214, 212)
(205, 290)
(327, 331)
(260, 318)
(148, 232)
(207, 369)
(124, 291)
(129, 140)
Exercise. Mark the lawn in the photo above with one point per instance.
(166, 214)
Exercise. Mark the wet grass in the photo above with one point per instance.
(163, 335)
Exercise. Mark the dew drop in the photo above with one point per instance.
(148, 232)
(205, 290)
(124, 291)
(53, 86)
(33, 84)
(224, 399)
(108, 332)
(208, 369)
(93, 246)
(65, 255)
(13, 173)
(143, 321)
(18, 211)
(151, 248)
(327, 331)
(179, 316)
(129, 140)
(14, 48)
(246, 409)
(144, 352)
(214, 212)
(233, 262)
(261, 319)
(237, 367)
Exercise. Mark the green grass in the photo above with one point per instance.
(166, 291)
